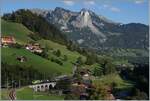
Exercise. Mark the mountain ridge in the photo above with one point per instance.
(94, 31)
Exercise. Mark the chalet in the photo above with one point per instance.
(7, 40)
(84, 71)
(21, 58)
(85, 74)
(109, 95)
(34, 48)
(80, 90)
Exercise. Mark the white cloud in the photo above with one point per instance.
(68, 2)
(139, 1)
(112, 8)
(105, 6)
(90, 2)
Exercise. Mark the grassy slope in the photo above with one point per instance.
(21, 35)
(9, 55)
(19, 31)
(72, 56)
(130, 52)
(114, 78)
(4, 94)
(26, 93)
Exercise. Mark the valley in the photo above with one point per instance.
(87, 58)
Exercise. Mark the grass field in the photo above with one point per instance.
(43, 65)
(20, 33)
(26, 93)
(114, 78)
(4, 94)
(46, 66)
(16, 30)
(72, 56)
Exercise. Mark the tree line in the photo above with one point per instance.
(17, 76)
(37, 24)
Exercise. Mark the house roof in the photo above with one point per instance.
(7, 38)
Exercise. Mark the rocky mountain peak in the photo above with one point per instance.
(87, 27)
(59, 10)
(84, 10)
(42, 12)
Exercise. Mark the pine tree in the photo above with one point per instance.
(58, 53)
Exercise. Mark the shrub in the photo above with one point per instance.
(16, 45)
(56, 61)
(65, 58)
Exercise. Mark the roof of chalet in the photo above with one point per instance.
(8, 38)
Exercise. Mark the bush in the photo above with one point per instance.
(16, 45)
(35, 37)
(71, 97)
(57, 53)
(80, 61)
(56, 61)
(98, 71)
(65, 58)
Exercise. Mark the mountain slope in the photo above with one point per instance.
(17, 30)
(97, 32)
(41, 64)
(37, 24)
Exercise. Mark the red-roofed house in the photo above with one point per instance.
(7, 40)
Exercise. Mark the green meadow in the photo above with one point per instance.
(20, 33)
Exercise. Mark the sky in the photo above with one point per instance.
(121, 11)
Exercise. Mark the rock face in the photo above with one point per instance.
(95, 31)
(82, 20)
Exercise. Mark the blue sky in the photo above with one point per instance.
(123, 11)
